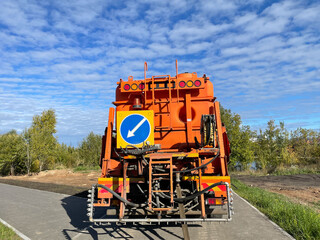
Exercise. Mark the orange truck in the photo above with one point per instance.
(164, 154)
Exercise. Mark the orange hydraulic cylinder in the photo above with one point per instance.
(189, 118)
(220, 139)
(107, 154)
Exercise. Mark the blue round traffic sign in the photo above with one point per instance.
(135, 129)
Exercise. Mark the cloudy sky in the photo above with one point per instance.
(262, 56)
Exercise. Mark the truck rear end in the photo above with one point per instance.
(164, 149)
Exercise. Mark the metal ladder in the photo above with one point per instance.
(168, 101)
(160, 159)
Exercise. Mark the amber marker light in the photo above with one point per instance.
(134, 86)
(126, 87)
(189, 83)
(182, 84)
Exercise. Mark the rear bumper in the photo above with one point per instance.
(143, 215)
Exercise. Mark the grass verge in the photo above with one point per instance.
(7, 233)
(299, 221)
(283, 170)
(295, 171)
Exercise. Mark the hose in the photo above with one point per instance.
(137, 151)
(119, 197)
(185, 199)
(179, 200)
(201, 166)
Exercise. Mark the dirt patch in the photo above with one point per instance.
(61, 177)
(302, 188)
(51, 187)
(59, 181)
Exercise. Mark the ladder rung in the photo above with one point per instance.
(160, 80)
(160, 174)
(156, 156)
(166, 101)
(160, 113)
(163, 127)
(161, 76)
(161, 209)
(160, 190)
(160, 162)
(160, 178)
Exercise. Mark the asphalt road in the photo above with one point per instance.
(46, 215)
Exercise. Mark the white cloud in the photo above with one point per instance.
(68, 55)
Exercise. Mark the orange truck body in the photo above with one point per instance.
(165, 131)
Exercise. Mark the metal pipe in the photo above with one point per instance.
(181, 210)
(165, 220)
(228, 199)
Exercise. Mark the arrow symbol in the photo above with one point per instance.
(131, 132)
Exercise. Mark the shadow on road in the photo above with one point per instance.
(76, 208)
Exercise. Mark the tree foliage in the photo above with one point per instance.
(242, 151)
(11, 153)
(90, 149)
(306, 144)
(67, 156)
(37, 147)
(272, 148)
(42, 139)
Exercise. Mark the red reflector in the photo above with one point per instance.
(141, 86)
(182, 84)
(126, 87)
(197, 83)
(211, 201)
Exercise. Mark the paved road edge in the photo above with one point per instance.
(273, 223)
(20, 234)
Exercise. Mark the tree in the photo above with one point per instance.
(240, 137)
(67, 156)
(11, 153)
(90, 149)
(272, 147)
(306, 145)
(43, 141)
(28, 160)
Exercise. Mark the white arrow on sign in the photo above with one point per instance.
(131, 132)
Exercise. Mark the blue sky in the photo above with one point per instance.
(262, 56)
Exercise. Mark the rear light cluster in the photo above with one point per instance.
(133, 86)
(190, 83)
(182, 84)
(214, 201)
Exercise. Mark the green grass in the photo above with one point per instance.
(316, 205)
(312, 169)
(299, 221)
(7, 233)
(295, 171)
(86, 168)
